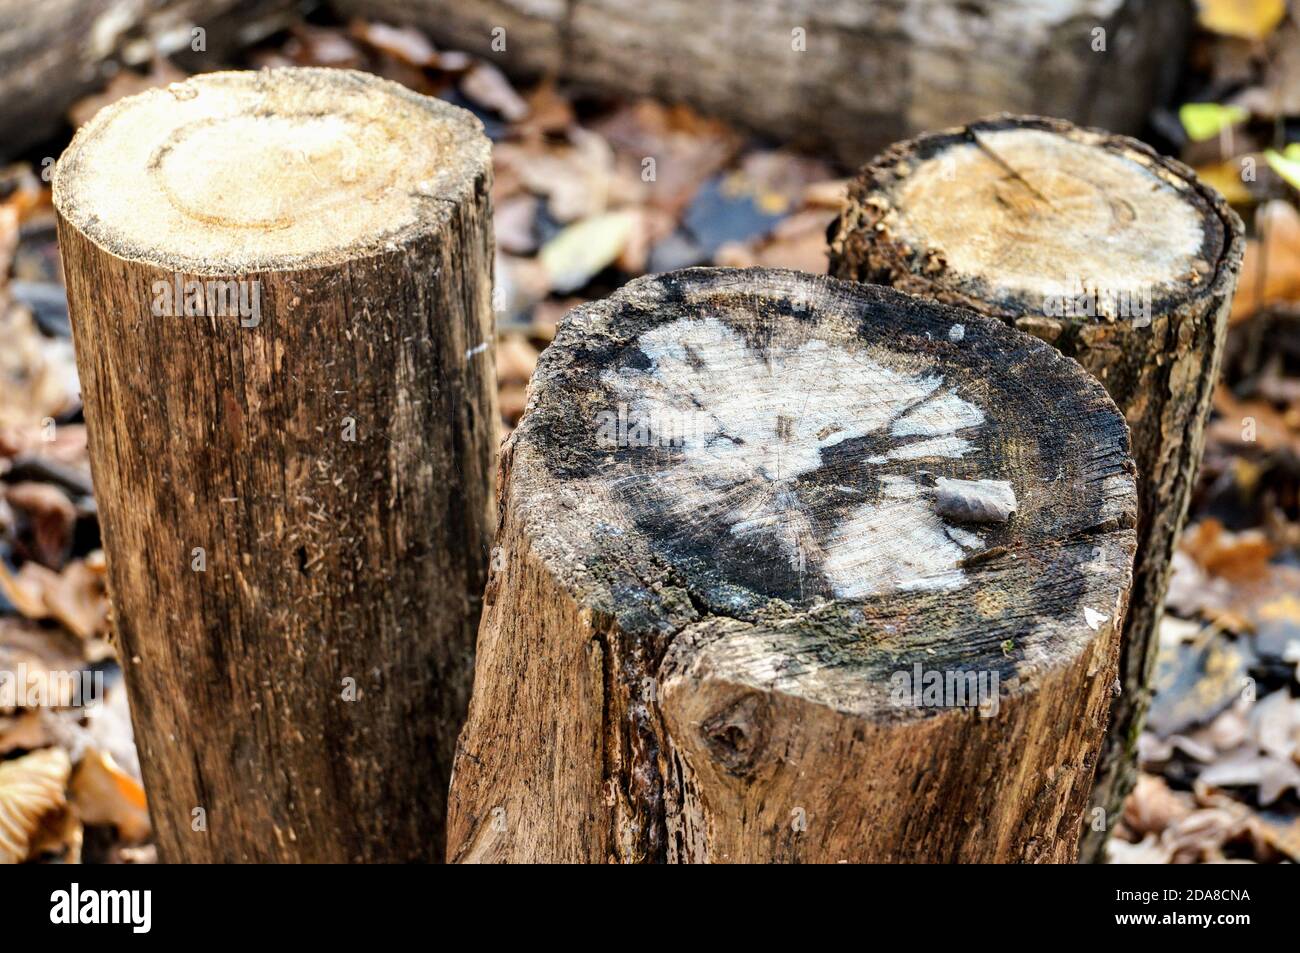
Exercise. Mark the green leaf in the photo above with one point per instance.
(1206, 120)
(1286, 164)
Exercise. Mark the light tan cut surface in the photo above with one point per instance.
(1057, 216)
(277, 169)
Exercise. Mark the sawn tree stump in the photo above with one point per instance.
(281, 297)
(747, 520)
(1117, 256)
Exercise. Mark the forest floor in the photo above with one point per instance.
(578, 212)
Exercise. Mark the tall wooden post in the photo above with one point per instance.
(1118, 257)
(795, 569)
(280, 290)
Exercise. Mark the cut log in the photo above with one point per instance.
(55, 51)
(280, 287)
(846, 76)
(1118, 257)
(722, 591)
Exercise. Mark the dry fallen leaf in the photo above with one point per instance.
(38, 375)
(402, 43)
(797, 242)
(1246, 768)
(513, 398)
(322, 46)
(1225, 178)
(520, 284)
(673, 148)
(830, 194)
(77, 598)
(1275, 725)
(60, 833)
(1244, 424)
(1152, 807)
(8, 235)
(52, 517)
(1202, 835)
(103, 793)
(549, 113)
(1246, 19)
(513, 224)
(516, 359)
(487, 86)
(575, 177)
(25, 731)
(1270, 270)
(25, 589)
(578, 253)
(1234, 556)
(1147, 851)
(31, 788)
(49, 660)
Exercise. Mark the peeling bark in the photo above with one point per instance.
(1029, 221)
(295, 501)
(719, 559)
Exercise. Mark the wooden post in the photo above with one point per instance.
(791, 568)
(280, 290)
(1118, 257)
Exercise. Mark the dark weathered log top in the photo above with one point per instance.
(798, 434)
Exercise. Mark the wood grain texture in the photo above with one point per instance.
(328, 559)
(867, 74)
(1029, 221)
(719, 564)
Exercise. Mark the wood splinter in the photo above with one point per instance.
(975, 501)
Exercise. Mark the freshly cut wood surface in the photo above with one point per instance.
(244, 171)
(1120, 258)
(724, 542)
(280, 286)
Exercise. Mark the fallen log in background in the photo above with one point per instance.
(843, 77)
(743, 524)
(52, 52)
(1118, 257)
(280, 290)
(846, 77)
